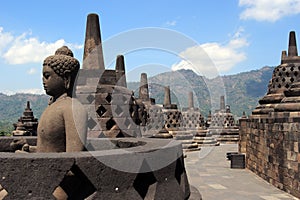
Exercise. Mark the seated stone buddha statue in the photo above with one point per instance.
(63, 125)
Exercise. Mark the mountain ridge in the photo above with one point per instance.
(242, 92)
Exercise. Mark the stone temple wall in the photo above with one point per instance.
(272, 148)
(270, 138)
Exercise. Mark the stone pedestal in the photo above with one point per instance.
(205, 138)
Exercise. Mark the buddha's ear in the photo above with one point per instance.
(67, 79)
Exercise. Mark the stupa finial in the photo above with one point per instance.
(292, 45)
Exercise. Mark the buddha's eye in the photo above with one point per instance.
(46, 75)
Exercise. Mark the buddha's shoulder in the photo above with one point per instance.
(70, 103)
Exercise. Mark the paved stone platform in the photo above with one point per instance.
(209, 171)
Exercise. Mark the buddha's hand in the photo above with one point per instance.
(28, 148)
(17, 144)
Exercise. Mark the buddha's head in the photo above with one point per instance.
(59, 72)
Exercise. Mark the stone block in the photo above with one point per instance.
(47, 174)
(237, 161)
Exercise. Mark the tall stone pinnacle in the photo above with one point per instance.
(120, 71)
(167, 99)
(283, 56)
(28, 106)
(93, 54)
(222, 103)
(27, 112)
(191, 100)
(292, 51)
(144, 90)
(244, 115)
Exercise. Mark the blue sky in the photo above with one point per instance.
(223, 37)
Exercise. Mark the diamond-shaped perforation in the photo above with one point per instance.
(110, 123)
(91, 123)
(143, 181)
(90, 98)
(75, 185)
(108, 98)
(101, 110)
(120, 135)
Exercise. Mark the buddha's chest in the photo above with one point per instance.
(51, 126)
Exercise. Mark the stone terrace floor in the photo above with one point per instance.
(209, 171)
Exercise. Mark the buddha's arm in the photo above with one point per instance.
(76, 128)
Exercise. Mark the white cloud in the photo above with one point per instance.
(268, 10)
(30, 50)
(210, 59)
(171, 23)
(31, 71)
(25, 49)
(5, 39)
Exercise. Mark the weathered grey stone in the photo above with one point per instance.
(223, 125)
(120, 71)
(128, 168)
(284, 76)
(167, 98)
(144, 90)
(45, 172)
(93, 55)
(270, 136)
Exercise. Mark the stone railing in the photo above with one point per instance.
(129, 168)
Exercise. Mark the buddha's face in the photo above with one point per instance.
(54, 85)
